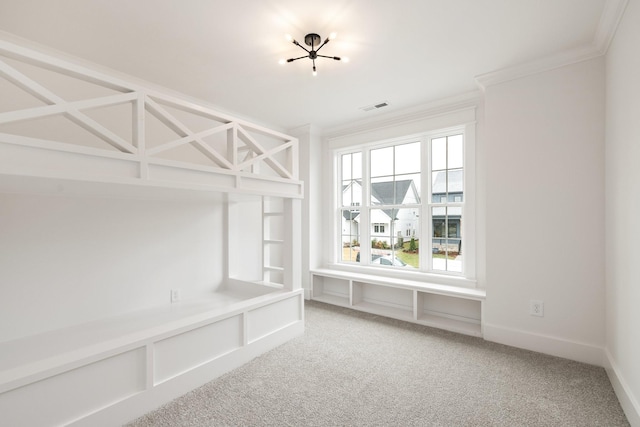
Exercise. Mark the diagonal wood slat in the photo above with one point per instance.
(265, 155)
(187, 139)
(82, 120)
(245, 153)
(51, 110)
(180, 129)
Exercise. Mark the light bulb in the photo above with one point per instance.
(288, 37)
(344, 59)
(333, 36)
(315, 73)
(282, 61)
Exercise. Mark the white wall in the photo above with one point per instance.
(310, 172)
(66, 260)
(623, 211)
(544, 165)
(245, 254)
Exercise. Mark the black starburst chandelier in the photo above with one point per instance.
(312, 40)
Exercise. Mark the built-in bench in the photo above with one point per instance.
(453, 308)
(85, 369)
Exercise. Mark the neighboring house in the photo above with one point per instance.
(385, 223)
(351, 219)
(406, 221)
(447, 186)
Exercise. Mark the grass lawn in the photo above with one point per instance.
(411, 259)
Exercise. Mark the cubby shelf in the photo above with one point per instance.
(446, 307)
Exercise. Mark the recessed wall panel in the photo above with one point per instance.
(69, 396)
(183, 352)
(265, 320)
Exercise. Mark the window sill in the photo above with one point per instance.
(399, 274)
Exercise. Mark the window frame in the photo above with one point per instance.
(467, 205)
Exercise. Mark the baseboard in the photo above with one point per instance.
(626, 398)
(546, 344)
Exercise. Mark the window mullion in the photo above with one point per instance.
(425, 214)
(365, 211)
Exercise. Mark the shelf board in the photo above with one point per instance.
(392, 282)
(385, 310)
(403, 312)
(332, 299)
(453, 325)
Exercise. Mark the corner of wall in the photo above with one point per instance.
(627, 400)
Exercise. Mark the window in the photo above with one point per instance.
(403, 196)
(351, 189)
(447, 193)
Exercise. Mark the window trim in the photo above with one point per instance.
(467, 277)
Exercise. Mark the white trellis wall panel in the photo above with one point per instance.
(79, 124)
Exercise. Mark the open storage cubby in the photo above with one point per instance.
(383, 300)
(273, 240)
(447, 307)
(331, 290)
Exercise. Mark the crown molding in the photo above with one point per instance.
(538, 66)
(609, 20)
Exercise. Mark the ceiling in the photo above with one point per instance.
(405, 52)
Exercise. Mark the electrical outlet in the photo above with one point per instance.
(176, 294)
(536, 308)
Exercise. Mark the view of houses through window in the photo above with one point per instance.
(383, 203)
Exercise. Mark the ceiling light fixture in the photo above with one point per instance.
(313, 40)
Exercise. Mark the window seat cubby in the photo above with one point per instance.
(447, 307)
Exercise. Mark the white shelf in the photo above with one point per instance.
(434, 288)
(464, 327)
(385, 310)
(446, 307)
(333, 299)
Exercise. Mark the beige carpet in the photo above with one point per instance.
(356, 369)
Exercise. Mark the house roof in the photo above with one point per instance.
(350, 215)
(391, 192)
(439, 184)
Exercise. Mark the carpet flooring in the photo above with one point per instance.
(357, 369)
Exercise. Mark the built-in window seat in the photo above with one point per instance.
(454, 308)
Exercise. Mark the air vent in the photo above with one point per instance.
(375, 106)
